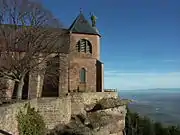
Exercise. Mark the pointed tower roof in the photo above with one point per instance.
(81, 25)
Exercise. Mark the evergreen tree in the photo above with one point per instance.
(136, 125)
(174, 130)
(148, 128)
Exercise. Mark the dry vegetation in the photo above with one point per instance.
(29, 34)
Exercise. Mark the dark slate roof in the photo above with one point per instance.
(81, 25)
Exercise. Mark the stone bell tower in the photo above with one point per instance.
(86, 69)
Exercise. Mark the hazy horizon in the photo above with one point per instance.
(162, 106)
(149, 89)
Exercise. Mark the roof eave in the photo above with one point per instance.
(84, 33)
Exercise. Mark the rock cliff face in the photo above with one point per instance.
(105, 117)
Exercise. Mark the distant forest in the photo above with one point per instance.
(137, 125)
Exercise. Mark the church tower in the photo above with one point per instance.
(86, 70)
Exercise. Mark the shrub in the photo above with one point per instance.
(30, 122)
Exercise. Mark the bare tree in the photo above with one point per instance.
(29, 34)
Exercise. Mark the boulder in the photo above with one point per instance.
(106, 117)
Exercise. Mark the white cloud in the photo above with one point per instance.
(170, 61)
(141, 80)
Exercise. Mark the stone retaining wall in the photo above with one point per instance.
(54, 110)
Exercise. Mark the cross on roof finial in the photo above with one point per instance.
(80, 10)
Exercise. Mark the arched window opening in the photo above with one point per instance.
(84, 45)
(83, 75)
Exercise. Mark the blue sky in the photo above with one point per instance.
(140, 43)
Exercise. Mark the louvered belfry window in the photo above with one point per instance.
(84, 45)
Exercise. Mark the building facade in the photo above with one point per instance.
(84, 72)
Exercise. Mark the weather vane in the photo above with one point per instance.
(93, 19)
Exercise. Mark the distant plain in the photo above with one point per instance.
(162, 105)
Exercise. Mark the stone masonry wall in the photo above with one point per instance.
(6, 89)
(54, 111)
(79, 60)
(94, 40)
(90, 66)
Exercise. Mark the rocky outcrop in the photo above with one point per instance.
(106, 117)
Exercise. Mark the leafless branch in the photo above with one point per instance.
(29, 35)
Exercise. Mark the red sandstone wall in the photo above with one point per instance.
(75, 67)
